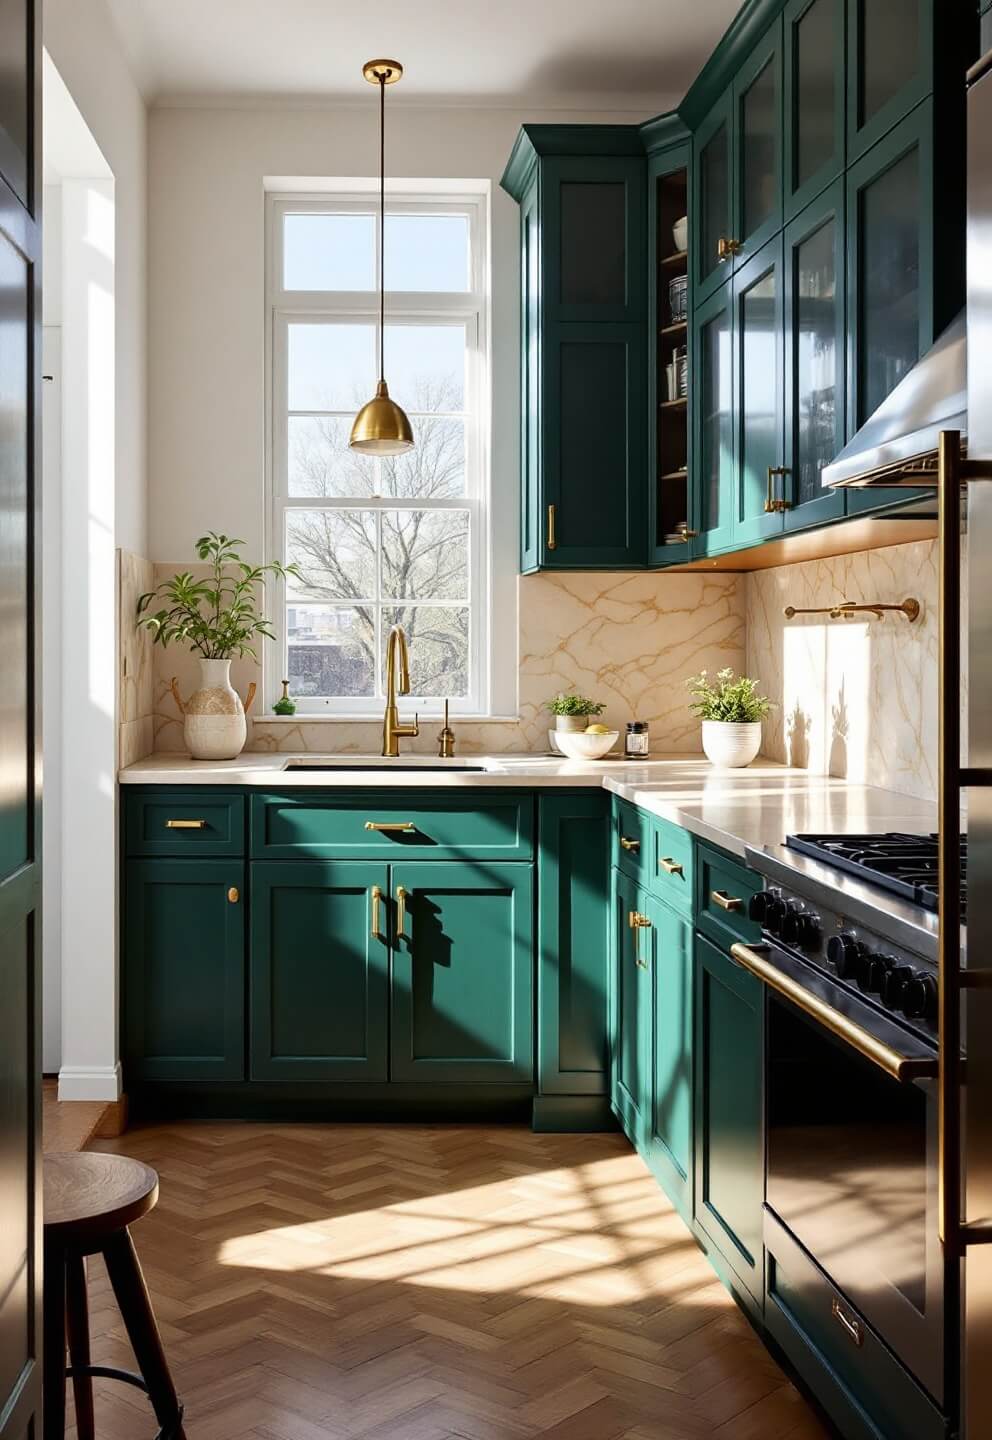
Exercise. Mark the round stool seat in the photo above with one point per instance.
(88, 1196)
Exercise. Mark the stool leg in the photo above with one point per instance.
(54, 1343)
(77, 1319)
(139, 1321)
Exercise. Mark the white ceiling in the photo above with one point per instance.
(629, 55)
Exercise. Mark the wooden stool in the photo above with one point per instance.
(90, 1200)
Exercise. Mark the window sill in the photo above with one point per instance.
(310, 718)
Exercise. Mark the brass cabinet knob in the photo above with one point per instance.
(233, 895)
(727, 248)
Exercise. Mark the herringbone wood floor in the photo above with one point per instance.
(415, 1283)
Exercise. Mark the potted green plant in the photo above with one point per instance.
(218, 617)
(731, 710)
(573, 712)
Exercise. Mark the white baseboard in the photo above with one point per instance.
(90, 1082)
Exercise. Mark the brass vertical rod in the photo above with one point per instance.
(382, 226)
(949, 842)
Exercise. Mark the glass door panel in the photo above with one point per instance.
(714, 438)
(760, 390)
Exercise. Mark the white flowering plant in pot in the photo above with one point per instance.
(731, 709)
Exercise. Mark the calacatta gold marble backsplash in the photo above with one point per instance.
(855, 698)
(628, 639)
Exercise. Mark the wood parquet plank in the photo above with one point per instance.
(431, 1283)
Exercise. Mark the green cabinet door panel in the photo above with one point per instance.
(815, 361)
(815, 73)
(712, 198)
(713, 422)
(759, 393)
(531, 521)
(758, 146)
(729, 1158)
(890, 47)
(595, 445)
(573, 933)
(184, 969)
(319, 970)
(462, 983)
(630, 1010)
(593, 238)
(168, 820)
(669, 1138)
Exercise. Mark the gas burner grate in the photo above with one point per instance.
(905, 865)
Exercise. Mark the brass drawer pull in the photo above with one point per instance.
(185, 824)
(233, 895)
(632, 845)
(390, 827)
(670, 866)
(401, 899)
(853, 1329)
(637, 923)
(376, 910)
(725, 901)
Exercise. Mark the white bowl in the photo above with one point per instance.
(579, 746)
(680, 233)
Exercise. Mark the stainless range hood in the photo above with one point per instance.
(900, 439)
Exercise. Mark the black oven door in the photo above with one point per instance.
(852, 1170)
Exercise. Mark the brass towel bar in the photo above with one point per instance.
(910, 608)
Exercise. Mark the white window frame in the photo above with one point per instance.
(468, 308)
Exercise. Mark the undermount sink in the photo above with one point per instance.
(382, 762)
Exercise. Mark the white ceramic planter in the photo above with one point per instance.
(731, 746)
(214, 725)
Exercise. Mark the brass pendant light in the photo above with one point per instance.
(381, 427)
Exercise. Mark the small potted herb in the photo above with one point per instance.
(573, 712)
(731, 710)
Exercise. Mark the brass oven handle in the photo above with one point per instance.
(853, 1329)
(185, 824)
(552, 534)
(895, 1065)
(632, 845)
(376, 910)
(725, 901)
(637, 923)
(401, 898)
(390, 827)
(670, 866)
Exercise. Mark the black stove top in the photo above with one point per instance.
(905, 865)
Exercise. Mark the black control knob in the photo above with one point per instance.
(894, 985)
(844, 952)
(872, 970)
(774, 915)
(919, 998)
(808, 930)
(757, 906)
(790, 921)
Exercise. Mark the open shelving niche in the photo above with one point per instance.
(671, 460)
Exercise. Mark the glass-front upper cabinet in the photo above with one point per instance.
(759, 387)
(593, 212)
(814, 357)
(814, 99)
(890, 46)
(758, 126)
(713, 414)
(711, 236)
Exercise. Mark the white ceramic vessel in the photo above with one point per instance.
(586, 747)
(214, 724)
(730, 746)
(680, 233)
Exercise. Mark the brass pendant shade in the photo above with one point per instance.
(382, 427)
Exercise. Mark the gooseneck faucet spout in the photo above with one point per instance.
(397, 683)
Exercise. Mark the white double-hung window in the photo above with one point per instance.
(380, 542)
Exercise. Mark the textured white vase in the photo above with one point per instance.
(214, 725)
(731, 746)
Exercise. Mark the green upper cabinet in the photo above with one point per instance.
(815, 360)
(582, 193)
(815, 74)
(759, 394)
(713, 199)
(319, 970)
(462, 985)
(890, 59)
(713, 420)
(669, 1131)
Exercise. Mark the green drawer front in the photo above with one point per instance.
(723, 890)
(424, 826)
(184, 822)
(631, 847)
(671, 865)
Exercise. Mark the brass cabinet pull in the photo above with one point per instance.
(725, 901)
(774, 505)
(632, 845)
(376, 910)
(185, 824)
(637, 923)
(552, 535)
(233, 895)
(670, 866)
(853, 1329)
(726, 248)
(895, 1065)
(388, 827)
(401, 898)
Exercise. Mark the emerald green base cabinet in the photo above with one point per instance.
(729, 1150)
(319, 970)
(668, 1147)
(462, 983)
(184, 969)
(630, 1009)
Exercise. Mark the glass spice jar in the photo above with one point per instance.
(637, 742)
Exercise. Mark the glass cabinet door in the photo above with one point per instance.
(814, 99)
(758, 113)
(814, 357)
(713, 201)
(889, 44)
(759, 390)
(712, 357)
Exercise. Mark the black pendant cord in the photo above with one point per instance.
(382, 229)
